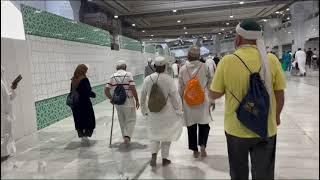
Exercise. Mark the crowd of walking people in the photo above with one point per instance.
(251, 80)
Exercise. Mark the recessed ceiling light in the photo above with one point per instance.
(288, 9)
(277, 12)
(150, 39)
(222, 29)
(241, 2)
(227, 23)
(133, 24)
(184, 27)
(179, 21)
(231, 16)
(288, 18)
(174, 10)
(289, 32)
(152, 35)
(115, 16)
(185, 32)
(264, 20)
(219, 33)
(143, 31)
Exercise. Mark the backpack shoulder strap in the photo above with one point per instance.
(124, 77)
(243, 62)
(151, 67)
(196, 72)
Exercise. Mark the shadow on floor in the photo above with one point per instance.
(121, 147)
(217, 162)
(76, 145)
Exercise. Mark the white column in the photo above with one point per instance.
(299, 13)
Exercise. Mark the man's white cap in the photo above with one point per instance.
(160, 61)
(121, 62)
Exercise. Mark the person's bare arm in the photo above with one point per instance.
(215, 95)
(279, 94)
(107, 93)
(135, 95)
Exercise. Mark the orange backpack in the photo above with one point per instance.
(193, 92)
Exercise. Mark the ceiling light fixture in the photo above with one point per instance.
(222, 29)
(231, 16)
(185, 32)
(152, 35)
(184, 27)
(150, 39)
(219, 33)
(288, 18)
(241, 2)
(264, 20)
(277, 12)
(288, 9)
(289, 32)
(174, 10)
(143, 31)
(133, 25)
(227, 23)
(115, 16)
(179, 21)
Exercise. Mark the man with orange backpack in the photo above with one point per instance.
(194, 77)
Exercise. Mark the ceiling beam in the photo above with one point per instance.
(201, 25)
(204, 9)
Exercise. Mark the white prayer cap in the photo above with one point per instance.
(121, 62)
(160, 61)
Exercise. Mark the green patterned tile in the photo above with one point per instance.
(138, 79)
(42, 23)
(150, 48)
(54, 109)
(130, 44)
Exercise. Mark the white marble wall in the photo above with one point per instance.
(53, 62)
(15, 60)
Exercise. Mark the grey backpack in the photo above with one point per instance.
(157, 99)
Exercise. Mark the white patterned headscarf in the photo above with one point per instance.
(257, 35)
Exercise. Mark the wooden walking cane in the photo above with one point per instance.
(111, 126)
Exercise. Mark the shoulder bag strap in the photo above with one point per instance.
(243, 63)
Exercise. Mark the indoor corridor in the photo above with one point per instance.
(57, 152)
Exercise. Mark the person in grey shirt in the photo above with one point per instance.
(149, 68)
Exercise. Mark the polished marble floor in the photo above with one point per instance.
(56, 152)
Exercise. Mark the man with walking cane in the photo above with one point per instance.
(124, 97)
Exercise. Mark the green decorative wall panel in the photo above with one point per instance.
(138, 79)
(150, 48)
(54, 109)
(42, 23)
(130, 44)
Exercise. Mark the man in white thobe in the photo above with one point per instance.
(196, 116)
(211, 65)
(300, 58)
(164, 126)
(7, 117)
(175, 69)
(127, 111)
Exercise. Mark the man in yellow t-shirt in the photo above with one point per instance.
(232, 76)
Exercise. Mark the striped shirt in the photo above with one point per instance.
(126, 79)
